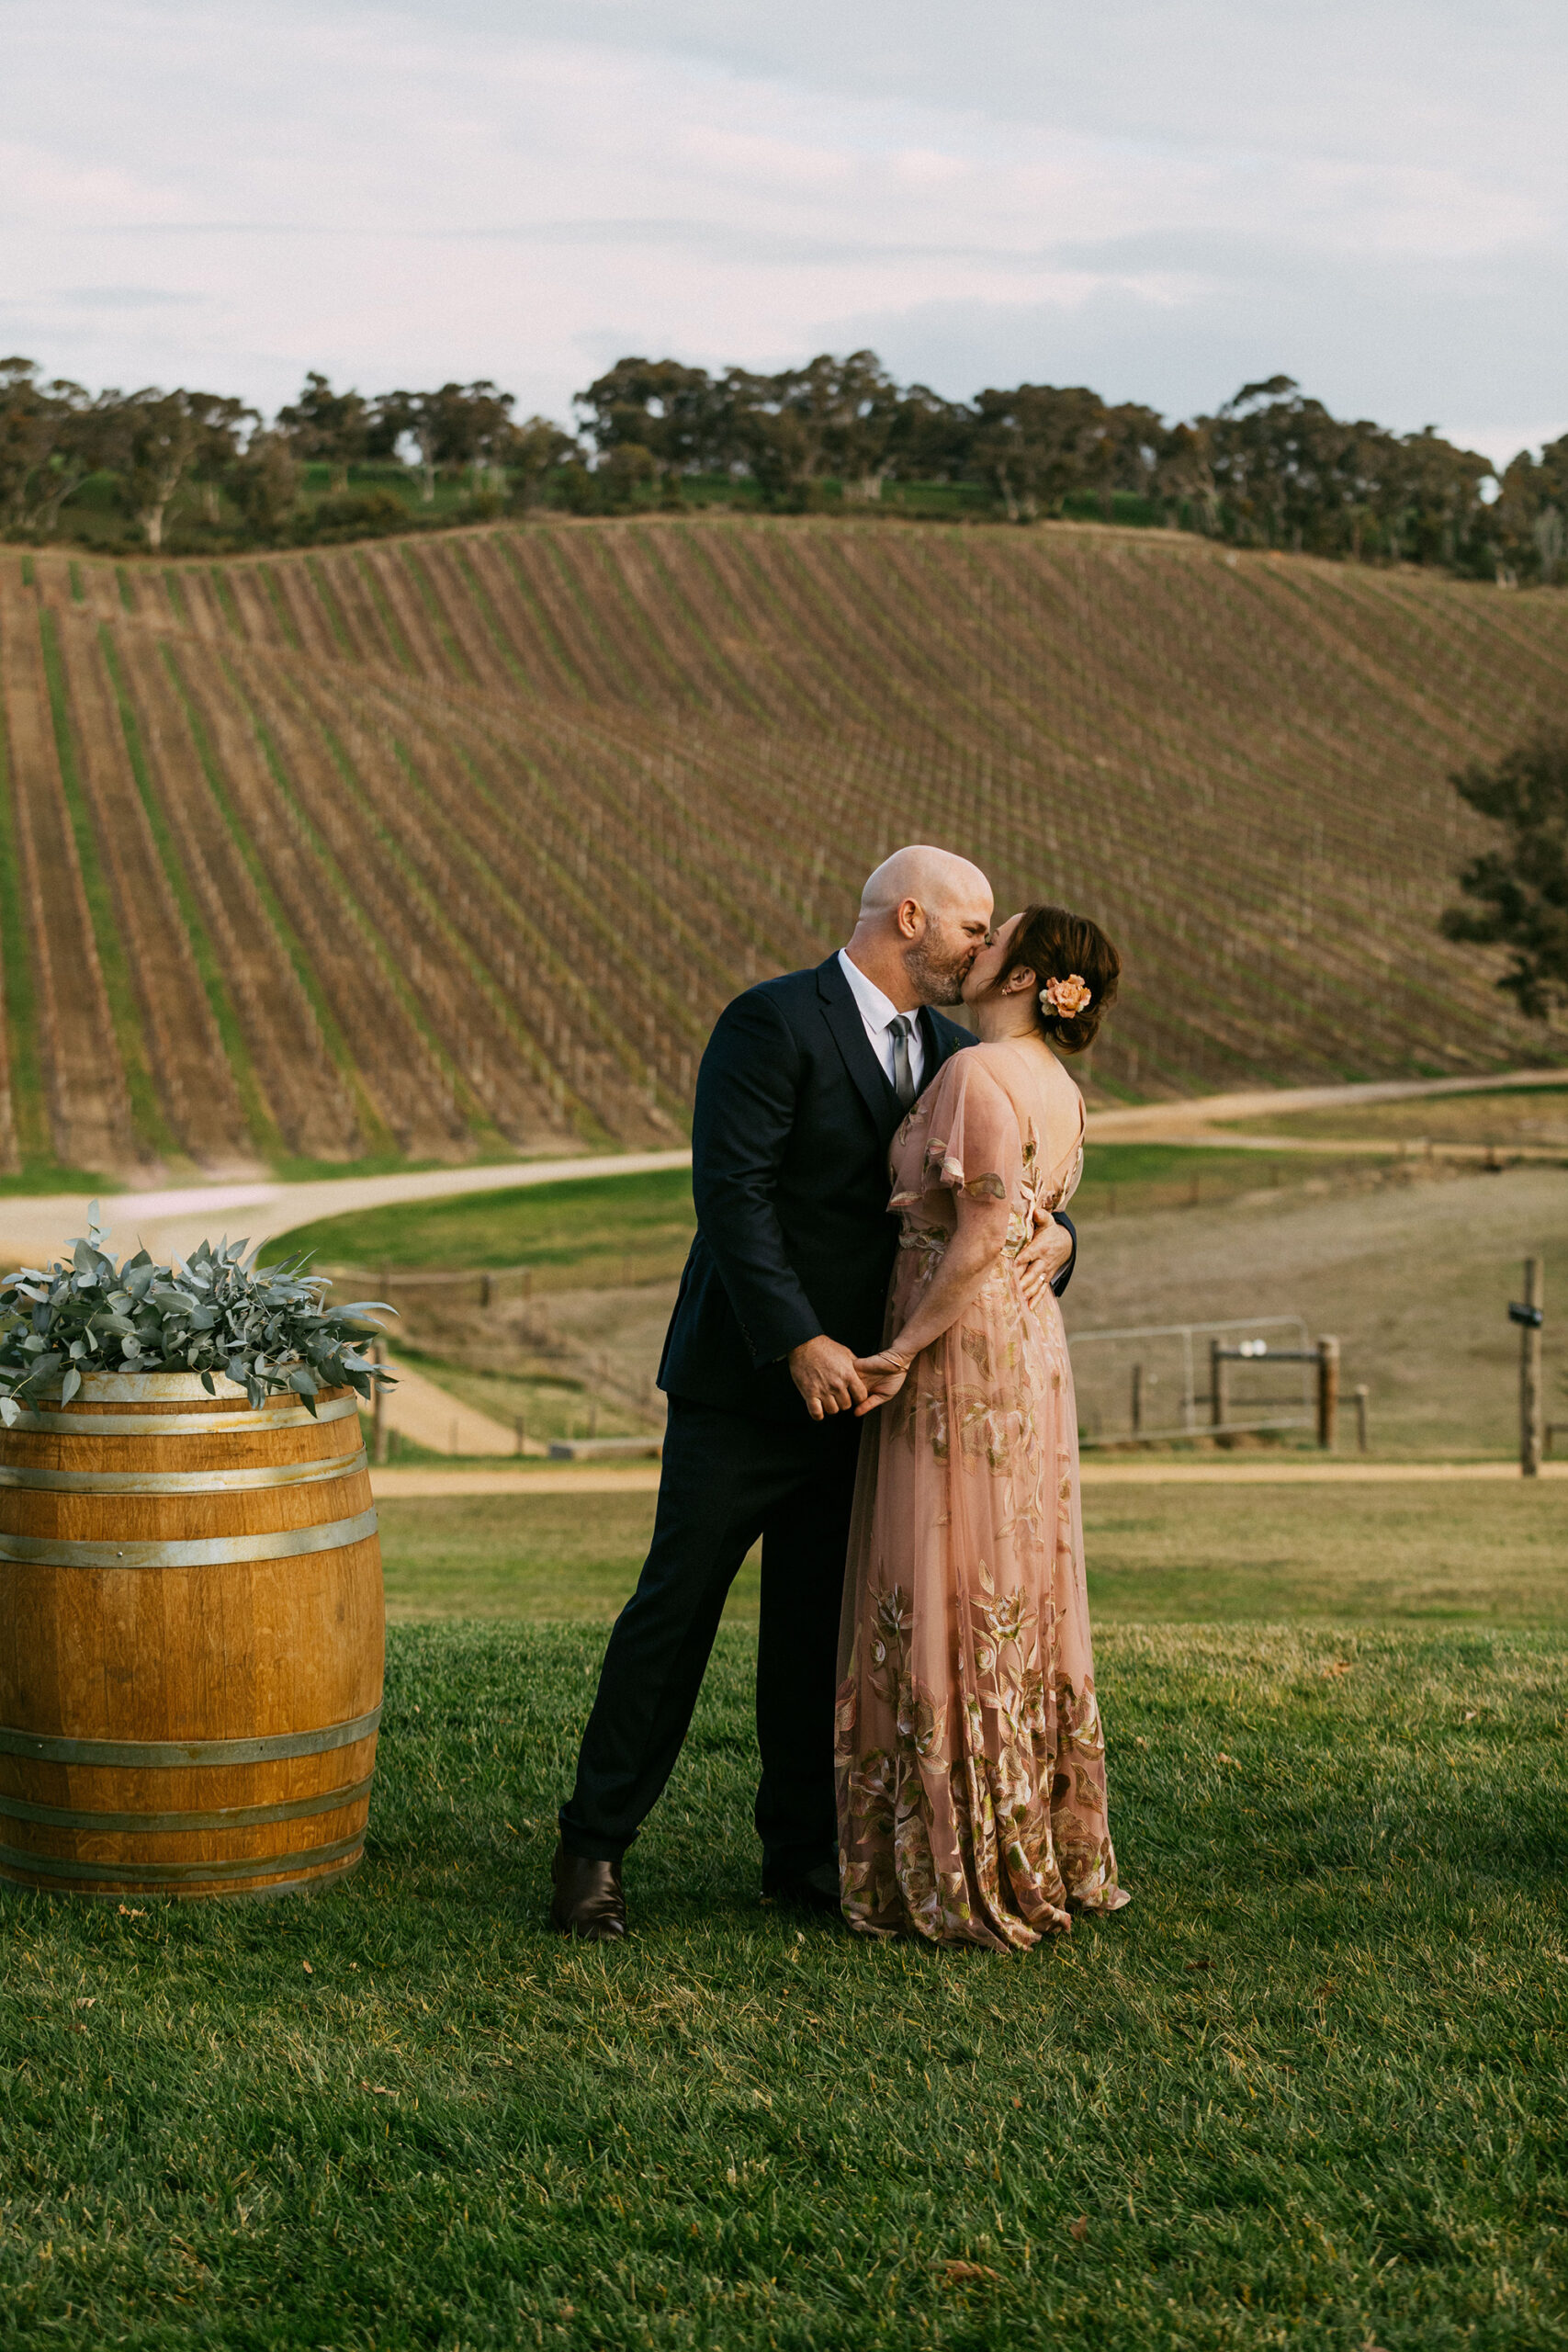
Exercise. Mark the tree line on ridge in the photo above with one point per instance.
(1270, 467)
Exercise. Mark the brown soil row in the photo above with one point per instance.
(588, 782)
(88, 1104)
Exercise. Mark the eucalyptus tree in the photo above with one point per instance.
(1038, 443)
(457, 426)
(263, 482)
(534, 450)
(325, 426)
(674, 412)
(1517, 891)
(52, 436)
(154, 440)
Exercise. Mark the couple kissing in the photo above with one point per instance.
(867, 1368)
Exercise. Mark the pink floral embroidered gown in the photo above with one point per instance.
(969, 1750)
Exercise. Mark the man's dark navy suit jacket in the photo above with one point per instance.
(793, 1117)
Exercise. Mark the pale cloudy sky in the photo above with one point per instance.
(1159, 198)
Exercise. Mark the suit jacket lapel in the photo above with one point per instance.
(842, 1016)
(937, 1048)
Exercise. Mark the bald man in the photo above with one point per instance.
(803, 1086)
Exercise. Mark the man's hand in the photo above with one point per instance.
(826, 1376)
(1042, 1260)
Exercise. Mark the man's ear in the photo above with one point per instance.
(911, 917)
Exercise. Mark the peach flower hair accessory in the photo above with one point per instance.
(1066, 997)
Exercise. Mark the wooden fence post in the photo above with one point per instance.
(1362, 1418)
(1328, 1393)
(1216, 1385)
(1531, 1414)
(1137, 1400)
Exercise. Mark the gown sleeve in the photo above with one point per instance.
(973, 1144)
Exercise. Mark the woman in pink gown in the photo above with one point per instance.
(969, 1748)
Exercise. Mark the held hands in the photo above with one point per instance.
(1040, 1262)
(884, 1376)
(827, 1376)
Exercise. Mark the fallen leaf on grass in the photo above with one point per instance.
(1140, 1742)
(1078, 2228)
(1223, 1758)
(87, 2001)
(1200, 1964)
(377, 2090)
(131, 1915)
(1471, 1714)
(307, 1967)
(1340, 1665)
(569, 2310)
(1018, 2102)
(962, 2274)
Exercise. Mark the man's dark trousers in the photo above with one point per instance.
(728, 1479)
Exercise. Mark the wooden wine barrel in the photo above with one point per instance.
(190, 1641)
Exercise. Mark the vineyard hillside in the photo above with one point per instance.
(455, 846)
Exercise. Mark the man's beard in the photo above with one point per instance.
(938, 979)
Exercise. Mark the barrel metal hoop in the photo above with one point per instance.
(282, 1417)
(16, 1858)
(180, 1755)
(320, 1883)
(156, 1824)
(203, 1551)
(181, 1482)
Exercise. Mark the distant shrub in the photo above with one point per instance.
(355, 513)
(577, 490)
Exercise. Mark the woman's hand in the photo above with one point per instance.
(883, 1376)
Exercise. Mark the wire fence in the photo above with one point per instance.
(1182, 1379)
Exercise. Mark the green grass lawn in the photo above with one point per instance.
(1327, 1554)
(588, 1226)
(1308, 2091)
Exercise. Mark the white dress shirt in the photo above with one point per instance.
(877, 1014)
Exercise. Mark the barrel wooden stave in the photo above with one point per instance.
(215, 1449)
(279, 1648)
(118, 1518)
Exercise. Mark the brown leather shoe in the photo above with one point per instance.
(588, 1900)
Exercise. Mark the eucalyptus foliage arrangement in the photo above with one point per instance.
(268, 1330)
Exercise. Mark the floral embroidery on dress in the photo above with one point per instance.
(969, 1747)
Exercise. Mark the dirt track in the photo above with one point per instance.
(391, 1485)
(34, 1227)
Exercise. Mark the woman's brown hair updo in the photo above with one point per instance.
(1053, 945)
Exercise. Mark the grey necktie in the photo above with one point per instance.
(903, 1074)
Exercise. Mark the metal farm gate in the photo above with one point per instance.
(1176, 1380)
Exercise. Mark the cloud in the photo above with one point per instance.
(1160, 196)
